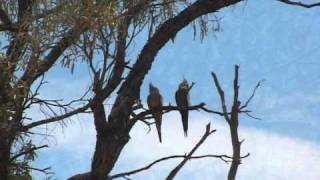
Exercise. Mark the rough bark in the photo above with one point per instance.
(108, 149)
(110, 141)
(236, 153)
(6, 140)
(4, 157)
(233, 125)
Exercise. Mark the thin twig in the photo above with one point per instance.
(174, 172)
(252, 95)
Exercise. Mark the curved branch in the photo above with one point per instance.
(221, 157)
(252, 95)
(175, 171)
(301, 4)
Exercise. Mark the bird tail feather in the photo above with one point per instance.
(184, 116)
(158, 118)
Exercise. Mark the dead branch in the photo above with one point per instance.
(252, 95)
(251, 116)
(222, 97)
(57, 118)
(233, 121)
(301, 4)
(165, 109)
(174, 172)
(224, 158)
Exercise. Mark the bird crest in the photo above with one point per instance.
(152, 88)
(184, 84)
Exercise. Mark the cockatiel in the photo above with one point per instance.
(155, 104)
(183, 102)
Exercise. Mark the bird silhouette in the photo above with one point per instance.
(155, 104)
(183, 102)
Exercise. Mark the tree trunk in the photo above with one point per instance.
(236, 153)
(108, 149)
(233, 124)
(6, 140)
(112, 136)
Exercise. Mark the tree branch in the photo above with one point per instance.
(31, 74)
(252, 95)
(169, 108)
(222, 97)
(27, 151)
(233, 126)
(224, 158)
(57, 118)
(301, 4)
(174, 172)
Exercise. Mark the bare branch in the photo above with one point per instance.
(174, 172)
(191, 86)
(252, 95)
(222, 97)
(301, 4)
(165, 109)
(236, 101)
(233, 126)
(57, 118)
(224, 158)
(253, 117)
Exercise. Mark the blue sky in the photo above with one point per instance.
(270, 41)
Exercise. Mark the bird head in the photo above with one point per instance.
(184, 84)
(152, 88)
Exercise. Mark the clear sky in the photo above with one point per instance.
(270, 41)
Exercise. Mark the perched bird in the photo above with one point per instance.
(183, 102)
(155, 104)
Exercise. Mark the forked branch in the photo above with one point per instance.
(175, 171)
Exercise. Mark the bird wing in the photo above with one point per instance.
(154, 101)
(182, 98)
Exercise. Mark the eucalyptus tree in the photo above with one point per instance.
(38, 34)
